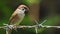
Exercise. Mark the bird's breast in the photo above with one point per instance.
(21, 15)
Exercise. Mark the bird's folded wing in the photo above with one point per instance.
(12, 18)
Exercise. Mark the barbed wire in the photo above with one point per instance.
(6, 26)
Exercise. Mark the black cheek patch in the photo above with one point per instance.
(26, 10)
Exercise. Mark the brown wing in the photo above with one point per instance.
(16, 18)
(13, 18)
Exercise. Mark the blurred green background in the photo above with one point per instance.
(49, 9)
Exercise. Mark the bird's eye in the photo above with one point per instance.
(23, 9)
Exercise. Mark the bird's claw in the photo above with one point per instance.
(9, 26)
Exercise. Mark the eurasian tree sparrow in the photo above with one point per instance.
(18, 16)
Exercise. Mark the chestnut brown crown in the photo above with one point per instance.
(24, 7)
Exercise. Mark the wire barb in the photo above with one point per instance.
(36, 30)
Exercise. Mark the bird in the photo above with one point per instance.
(18, 16)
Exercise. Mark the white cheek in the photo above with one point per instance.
(19, 11)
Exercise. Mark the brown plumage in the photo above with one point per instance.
(15, 19)
(17, 16)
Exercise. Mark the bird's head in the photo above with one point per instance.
(23, 8)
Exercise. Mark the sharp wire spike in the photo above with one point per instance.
(36, 22)
(36, 30)
(43, 21)
(6, 31)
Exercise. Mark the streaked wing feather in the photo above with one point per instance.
(12, 18)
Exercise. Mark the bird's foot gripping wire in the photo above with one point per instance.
(9, 26)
